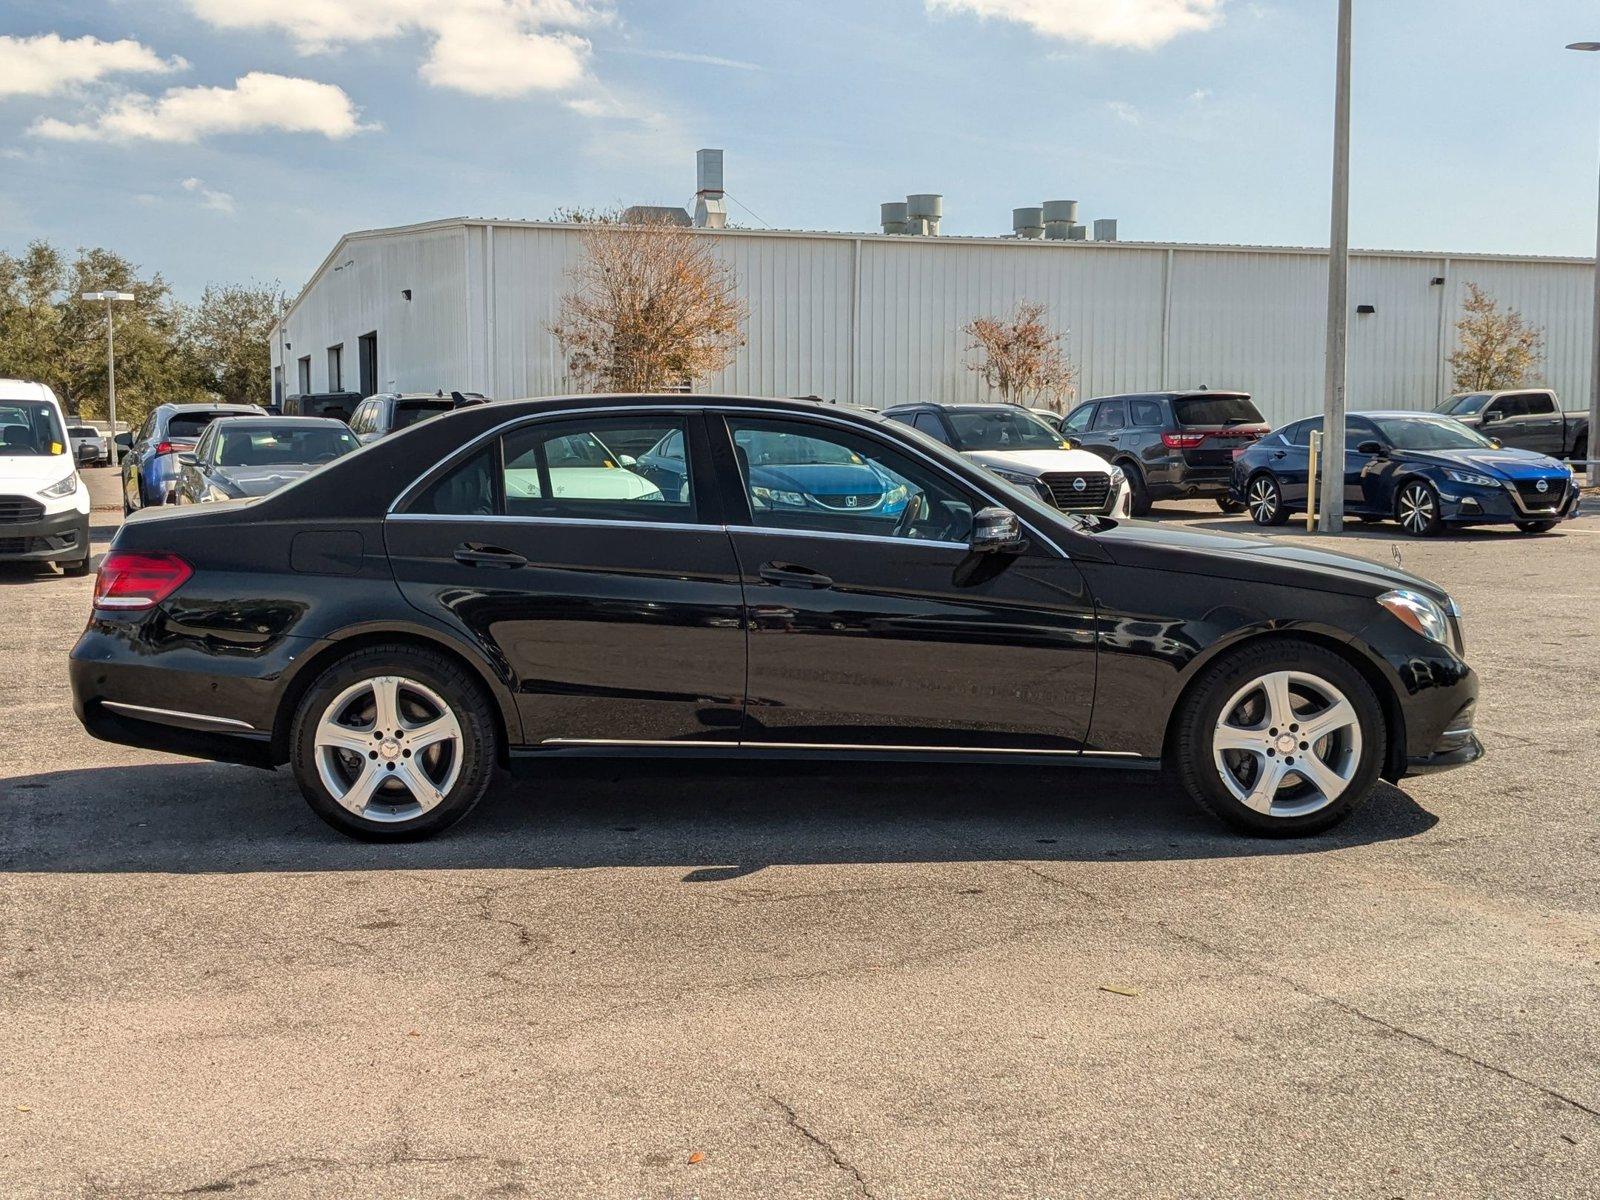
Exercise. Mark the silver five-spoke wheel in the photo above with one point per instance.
(388, 748)
(1287, 744)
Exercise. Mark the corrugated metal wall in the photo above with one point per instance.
(877, 320)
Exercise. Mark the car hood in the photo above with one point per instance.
(820, 479)
(258, 481)
(1038, 462)
(1504, 463)
(30, 472)
(1254, 558)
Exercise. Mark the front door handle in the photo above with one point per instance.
(1280, 454)
(790, 575)
(475, 554)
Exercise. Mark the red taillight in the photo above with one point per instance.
(129, 580)
(1182, 441)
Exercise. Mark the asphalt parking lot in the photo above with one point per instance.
(642, 980)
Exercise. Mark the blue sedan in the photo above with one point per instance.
(1421, 470)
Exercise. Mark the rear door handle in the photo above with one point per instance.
(475, 554)
(790, 575)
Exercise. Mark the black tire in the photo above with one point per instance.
(1264, 499)
(1139, 494)
(1196, 723)
(1536, 526)
(1229, 505)
(1416, 507)
(76, 570)
(451, 683)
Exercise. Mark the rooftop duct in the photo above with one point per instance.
(1027, 222)
(1059, 218)
(710, 208)
(927, 208)
(1077, 233)
(1105, 229)
(893, 216)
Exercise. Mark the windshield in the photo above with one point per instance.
(30, 427)
(1463, 406)
(766, 449)
(1216, 410)
(285, 445)
(1002, 429)
(1430, 433)
(409, 412)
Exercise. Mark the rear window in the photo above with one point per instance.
(1216, 410)
(409, 412)
(190, 425)
(83, 431)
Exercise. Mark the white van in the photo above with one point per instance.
(44, 504)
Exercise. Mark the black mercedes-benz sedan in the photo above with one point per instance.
(502, 584)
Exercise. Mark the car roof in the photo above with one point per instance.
(1182, 394)
(248, 410)
(280, 422)
(24, 389)
(951, 405)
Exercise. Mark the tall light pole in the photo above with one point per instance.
(1333, 392)
(1593, 465)
(111, 363)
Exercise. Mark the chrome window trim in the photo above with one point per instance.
(136, 709)
(515, 519)
(839, 535)
(689, 409)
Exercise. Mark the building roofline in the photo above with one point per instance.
(1048, 245)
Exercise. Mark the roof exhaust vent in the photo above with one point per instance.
(1027, 222)
(1059, 218)
(710, 209)
(926, 210)
(893, 216)
(1105, 229)
(1077, 233)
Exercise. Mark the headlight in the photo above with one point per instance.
(895, 494)
(1016, 477)
(775, 496)
(64, 488)
(1116, 478)
(1418, 612)
(1469, 477)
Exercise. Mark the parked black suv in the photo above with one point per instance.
(383, 414)
(338, 405)
(1171, 445)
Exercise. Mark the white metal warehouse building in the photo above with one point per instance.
(876, 319)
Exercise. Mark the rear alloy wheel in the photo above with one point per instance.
(393, 744)
(1264, 499)
(1536, 526)
(1417, 509)
(1281, 740)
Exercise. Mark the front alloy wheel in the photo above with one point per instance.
(1287, 744)
(1417, 510)
(1280, 737)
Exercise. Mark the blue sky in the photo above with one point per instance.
(1188, 120)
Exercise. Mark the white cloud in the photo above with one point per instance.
(684, 56)
(209, 197)
(256, 103)
(483, 47)
(1124, 111)
(1199, 95)
(1135, 24)
(48, 64)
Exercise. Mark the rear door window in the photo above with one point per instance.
(1112, 415)
(1144, 413)
(409, 412)
(1219, 409)
(930, 424)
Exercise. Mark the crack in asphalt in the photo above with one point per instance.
(822, 1143)
(1303, 989)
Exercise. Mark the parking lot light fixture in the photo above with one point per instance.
(1592, 466)
(111, 364)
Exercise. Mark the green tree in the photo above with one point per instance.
(227, 340)
(31, 290)
(1495, 349)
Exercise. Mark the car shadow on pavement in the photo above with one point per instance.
(1370, 530)
(716, 820)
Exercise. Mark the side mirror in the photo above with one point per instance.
(1372, 448)
(627, 460)
(995, 530)
(1493, 415)
(125, 440)
(187, 459)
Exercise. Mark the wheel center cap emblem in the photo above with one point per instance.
(1286, 744)
(389, 748)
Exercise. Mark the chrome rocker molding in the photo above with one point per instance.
(169, 716)
(628, 747)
